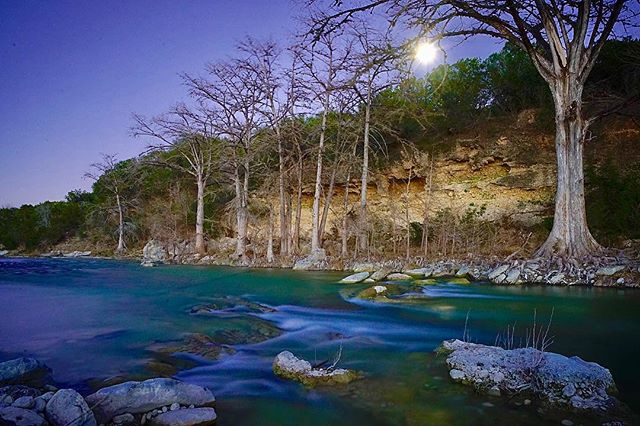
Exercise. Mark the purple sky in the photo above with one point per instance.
(72, 73)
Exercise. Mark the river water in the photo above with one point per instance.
(93, 321)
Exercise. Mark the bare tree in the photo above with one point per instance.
(114, 177)
(232, 97)
(375, 70)
(185, 141)
(563, 39)
(324, 63)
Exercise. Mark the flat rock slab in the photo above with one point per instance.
(189, 417)
(553, 378)
(288, 366)
(355, 278)
(141, 397)
(23, 371)
(14, 416)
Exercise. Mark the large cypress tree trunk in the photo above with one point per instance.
(315, 212)
(570, 235)
(363, 235)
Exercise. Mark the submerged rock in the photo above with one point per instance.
(553, 378)
(195, 344)
(381, 274)
(188, 417)
(66, 407)
(288, 366)
(23, 371)
(355, 278)
(231, 305)
(141, 397)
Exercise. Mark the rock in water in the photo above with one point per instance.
(23, 371)
(189, 417)
(67, 408)
(419, 273)
(355, 278)
(288, 366)
(14, 416)
(141, 397)
(381, 274)
(554, 378)
(399, 277)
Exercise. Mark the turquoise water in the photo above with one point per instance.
(93, 321)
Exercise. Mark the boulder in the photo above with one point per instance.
(189, 417)
(497, 272)
(67, 408)
(288, 366)
(3, 253)
(77, 254)
(24, 402)
(381, 274)
(372, 292)
(14, 416)
(609, 270)
(355, 278)
(140, 397)
(363, 267)
(154, 253)
(399, 277)
(23, 371)
(315, 260)
(555, 379)
(419, 272)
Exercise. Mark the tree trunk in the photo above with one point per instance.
(200, 249)
(362, 227)
(121, 245)
(315, 213)
(270, 236)
(327, 201)
(241, 216)
(295, 238)
(345, 235)
(284, 223)
(570, 236)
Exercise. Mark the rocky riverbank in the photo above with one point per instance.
(27, 398)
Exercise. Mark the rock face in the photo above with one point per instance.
(154, 253)
(67, 408)
(553, 378)
(23, 371)
(14, 416)
(140, 397)
(189, 417)
(355, 278)
(288, 366)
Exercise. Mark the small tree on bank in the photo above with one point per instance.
(563, 39)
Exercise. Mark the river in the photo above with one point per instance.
(95, 320)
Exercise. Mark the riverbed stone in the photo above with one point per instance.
(15, 416)
(190, 417)
(555, 379)
(154, 253)
(419, 272)
(125, 419)
(288, 366)
(399, 277)
(23, 371)
(67, 408)
(355, 278)
(498, 271)
(141, 397)
(381, 274)
(609, 270)
(316, 260)
(24, 402)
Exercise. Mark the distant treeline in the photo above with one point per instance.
(156, 197)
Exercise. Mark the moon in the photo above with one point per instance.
(426, 52)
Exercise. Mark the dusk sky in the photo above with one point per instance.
(72, 73)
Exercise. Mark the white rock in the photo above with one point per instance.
(355, 278)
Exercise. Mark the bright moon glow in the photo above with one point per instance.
(426, 52)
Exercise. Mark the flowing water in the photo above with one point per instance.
(95, 320)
